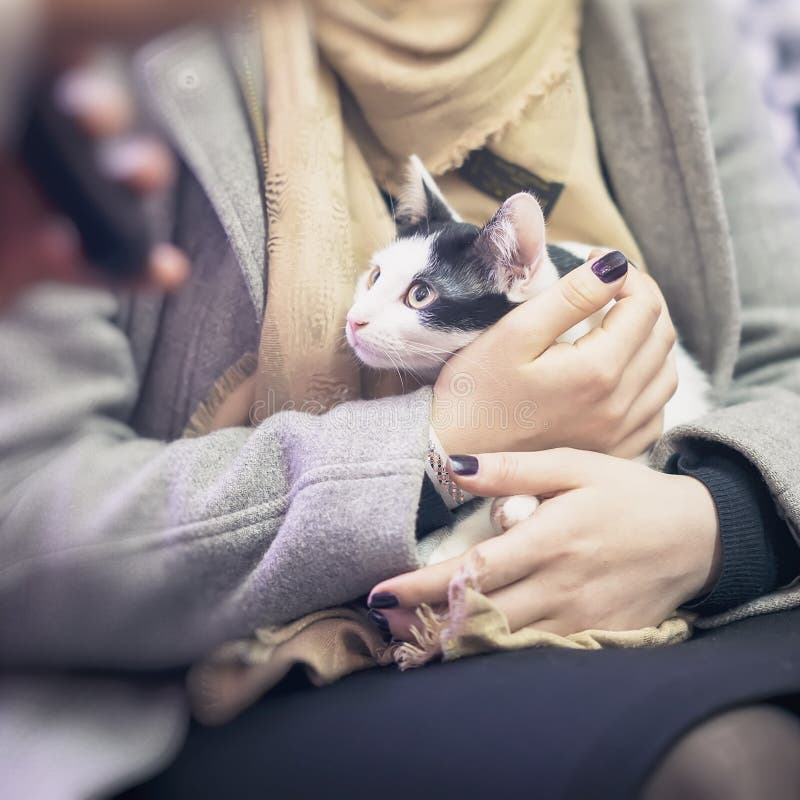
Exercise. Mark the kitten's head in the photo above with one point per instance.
(443, 281)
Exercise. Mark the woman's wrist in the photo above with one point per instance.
(441, 426)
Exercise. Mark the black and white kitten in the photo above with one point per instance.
(443, 281)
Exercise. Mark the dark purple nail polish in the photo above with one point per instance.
(611, 267)
(383, 600)
(464, 465)
(380, 621)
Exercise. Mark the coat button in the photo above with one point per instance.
(188, 80)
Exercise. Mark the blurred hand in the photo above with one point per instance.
(514, 389)
(35, 243)
(75, 22)
(618, 546)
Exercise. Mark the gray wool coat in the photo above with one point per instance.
(123, 546)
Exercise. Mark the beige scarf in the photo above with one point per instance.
(335, 642)
(353, 88)
(490, 94)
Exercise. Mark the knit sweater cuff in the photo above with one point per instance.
(759, 553)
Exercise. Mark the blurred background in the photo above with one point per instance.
(771, 34)
(770, 31)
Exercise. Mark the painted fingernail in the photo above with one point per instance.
(383, 600)
(611, 267)
(464, 465)
(380, 621)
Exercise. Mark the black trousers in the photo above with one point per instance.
(530, 724)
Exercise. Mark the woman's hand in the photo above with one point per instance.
(38, 245)
(513, 389)
(617, 546)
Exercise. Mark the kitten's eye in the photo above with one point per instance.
(420, 295)
(373, 277)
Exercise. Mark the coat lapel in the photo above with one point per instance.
(191, 89)
(648, 105)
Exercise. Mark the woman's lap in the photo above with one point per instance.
(748, 752)
(534, 723)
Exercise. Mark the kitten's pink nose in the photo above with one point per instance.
(355, 325)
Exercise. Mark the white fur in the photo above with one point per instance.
(693, 397)
(510, 511)
(503, 238)
(393, 337)
(472, 529)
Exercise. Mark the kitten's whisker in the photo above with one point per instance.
(399, 374)
(442, 356)
(449, 353)
(411, 371)
(394, 352)
(402, 354)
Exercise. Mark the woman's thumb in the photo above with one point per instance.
(536, 324)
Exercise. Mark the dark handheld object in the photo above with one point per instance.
(108, 216)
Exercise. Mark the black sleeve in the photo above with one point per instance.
(759, 553)
(432, 513)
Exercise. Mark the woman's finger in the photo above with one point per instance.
(647, 408)
(97, 102)
(141, 163)
(396, 623)
(538, 473)
(628, 325)
(662, 341)
(533, 326)
(503, 560)
(408, 591)
(642, 439)
(647, 365)
(659, 391)
(168, 269)
(511, 566)
(525, 602)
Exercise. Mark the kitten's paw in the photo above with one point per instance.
(509, 511)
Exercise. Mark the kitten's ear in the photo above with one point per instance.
(513, 241)
(421, 204)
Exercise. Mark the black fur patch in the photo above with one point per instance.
(464, 282)
(465, 313)
(563, 260)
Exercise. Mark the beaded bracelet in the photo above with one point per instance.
(436, 469)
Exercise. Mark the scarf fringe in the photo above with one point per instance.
(427, 641)
(493, 129)
(202, 421)
(438, 632)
